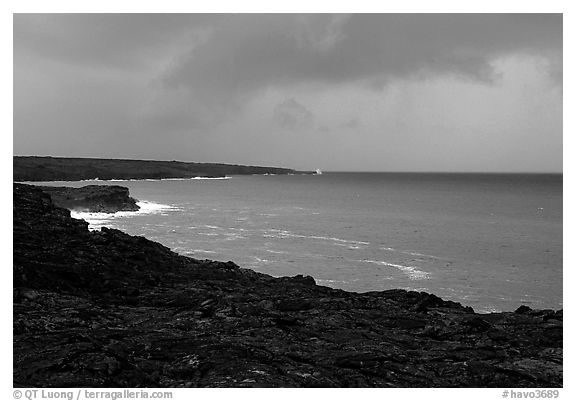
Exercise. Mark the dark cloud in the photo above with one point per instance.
(232, 54)
(218, 87)
(250, 52)
(293, 115)
(220, 60)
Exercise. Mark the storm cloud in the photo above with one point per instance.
(249, 53)
(367, 91)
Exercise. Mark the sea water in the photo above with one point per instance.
(490, 241)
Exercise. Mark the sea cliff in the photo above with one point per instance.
(93, 198)
(106, 309)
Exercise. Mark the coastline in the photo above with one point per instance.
(47, 168)
(131, 312)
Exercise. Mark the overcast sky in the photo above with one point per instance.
(371, 92)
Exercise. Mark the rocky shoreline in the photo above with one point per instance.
(93, 198)
(106, 309)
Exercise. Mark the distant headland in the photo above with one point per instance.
(46, 168)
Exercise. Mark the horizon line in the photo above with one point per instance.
(312, 169)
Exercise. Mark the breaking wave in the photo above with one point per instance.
(275, 233)
(412, 272)
(98, 220)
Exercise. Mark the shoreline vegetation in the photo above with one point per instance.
(106, 309)
(47, 168)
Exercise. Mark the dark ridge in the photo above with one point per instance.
(106, 309)
(46, 168)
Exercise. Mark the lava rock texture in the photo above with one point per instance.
(106, 309)
(93, 198)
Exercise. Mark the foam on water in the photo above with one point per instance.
(159, 179)
(318, 280)
(412, 272)
(99, 220)
(190, 179)
(275, 233)
(233, 236)
(411, 253)
(195, 251)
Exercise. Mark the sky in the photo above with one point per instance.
(359, 92)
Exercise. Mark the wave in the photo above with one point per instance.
(411, 271)
(191, 179)
(152, 179)
(233, 236)
(261, 260)
(319, 280)
(97, 220)
(152, 207)
(275, 233)
(122, 180)
(195, 251)
(411, 253)
(276, 252)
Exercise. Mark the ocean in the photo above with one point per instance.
(490, 241)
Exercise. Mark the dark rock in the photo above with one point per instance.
(357, 360)
(523, 309)
(93, 198)
(306, 280)
(410, 323)
(291, 305)
(477, 324)
(285, 321)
